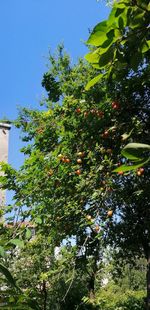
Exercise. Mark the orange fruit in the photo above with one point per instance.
(110, 213)
(78, 172)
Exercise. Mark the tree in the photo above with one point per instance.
(66, 186)
(51, 188)
(121, 53)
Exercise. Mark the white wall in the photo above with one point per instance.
(4, 141)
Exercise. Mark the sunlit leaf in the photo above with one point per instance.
(98, 35)
(2, 251)
(93, 57)
(17, 242)
(93, 81)
(38, 220)
(125, 168)
(28, 233)
(146, 46)
(135, 151)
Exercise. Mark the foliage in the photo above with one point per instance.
(137, 153)
(122, 42)
(66, 188)
(113, 299)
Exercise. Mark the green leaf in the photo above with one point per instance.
(121, 22)
(98, 35)
(17, 242)
(125, 136)
(38, 220)
(93, 81)
(119, 11)
(28, 233)
(8, 275)
(97, 39)
(2, 251)
(93, 57)
(126, 168)
(135, 151)
(106, 57)
(135, 61)
(137, 21)
(146, 46)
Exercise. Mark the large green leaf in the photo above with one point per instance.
(8, 275)
(93, 57)
(125, 168)
(106, 57)
(98, 35)
(135, 151)
(2, 251)
(93, 81)
(97, 39)
(137, 20)
(17, 242)
(119, 11)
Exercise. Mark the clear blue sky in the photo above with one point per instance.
(28, 29)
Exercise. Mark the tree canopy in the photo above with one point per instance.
(77, 190)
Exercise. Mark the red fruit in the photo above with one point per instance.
(67, 160)
(141, 170)
(79, 161)
(78, 110)
(120, 172)
(105, 134)
(100, 113)
(115, 105)
(78, 172)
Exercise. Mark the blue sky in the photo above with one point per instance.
(28, 29)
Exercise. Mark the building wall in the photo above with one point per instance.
(4, 141)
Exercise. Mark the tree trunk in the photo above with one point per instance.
(148, 281)
(45, 295)
(91, 286)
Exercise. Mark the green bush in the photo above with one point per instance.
(112, 299)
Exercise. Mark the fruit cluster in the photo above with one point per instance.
(97, 227)
(65, 159)
(95, 112)
(140, 171)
